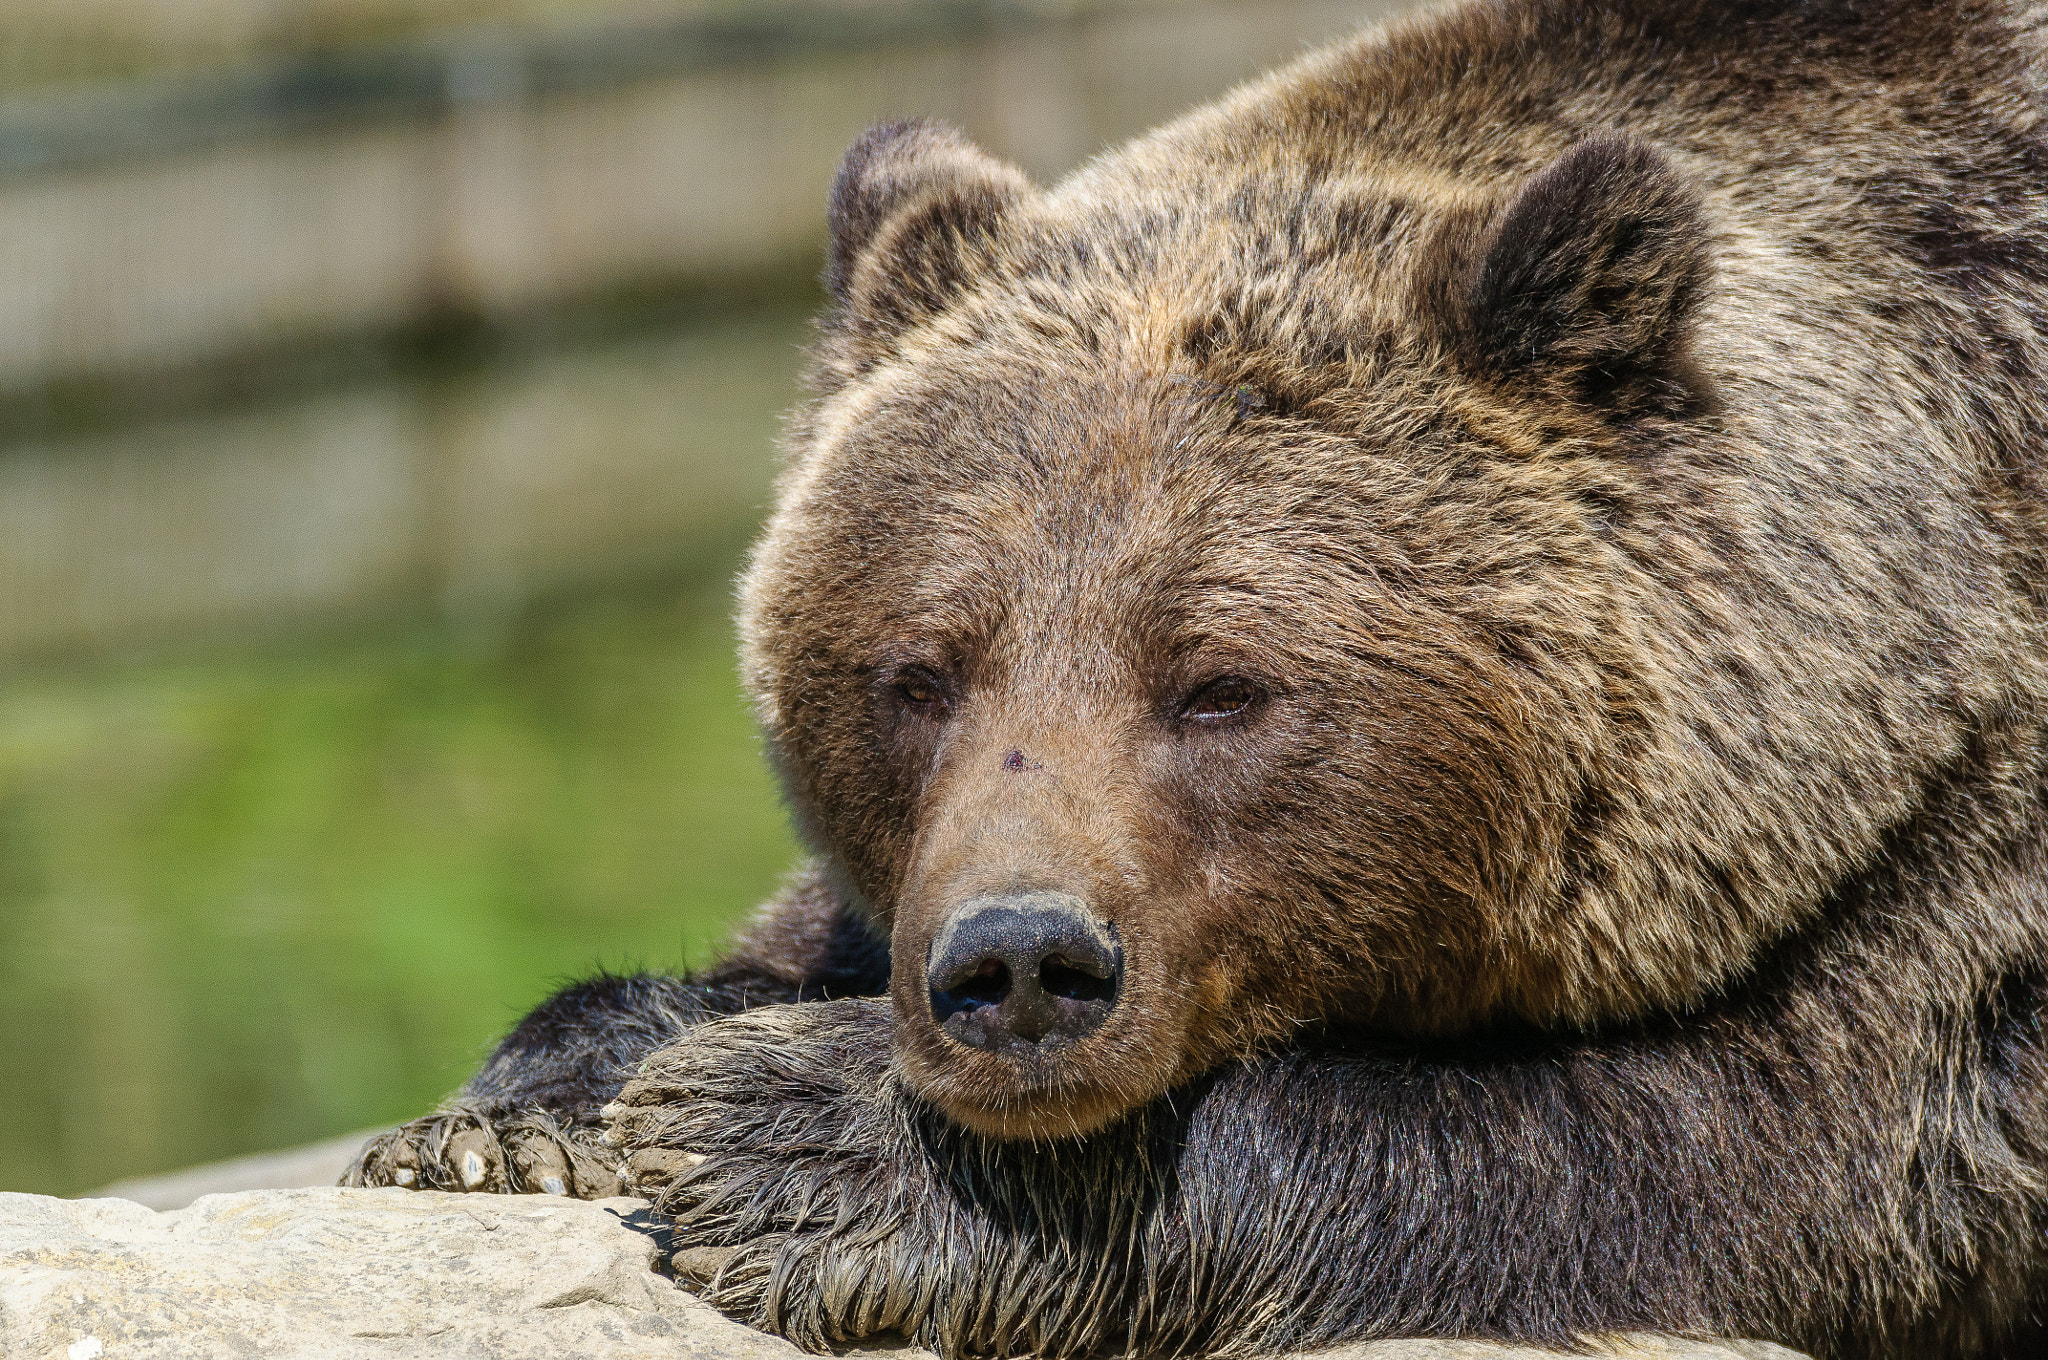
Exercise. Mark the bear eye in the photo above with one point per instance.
(1218, 700)
(918, 689)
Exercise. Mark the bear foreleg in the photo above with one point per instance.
(1694, 1182)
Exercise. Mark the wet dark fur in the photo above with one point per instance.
(1610, 435)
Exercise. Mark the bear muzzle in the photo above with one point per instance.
(1023, 974)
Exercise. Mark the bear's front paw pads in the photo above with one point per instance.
(462, 1149)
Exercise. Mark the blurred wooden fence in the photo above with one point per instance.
(155, 230)
(159, 225)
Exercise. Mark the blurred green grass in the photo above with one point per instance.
(255, 898)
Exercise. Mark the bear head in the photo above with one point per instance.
(1209, 599)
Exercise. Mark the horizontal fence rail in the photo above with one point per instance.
(77, 129)
(167, 236)
(152, 228)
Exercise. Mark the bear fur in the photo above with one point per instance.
(1505, 562)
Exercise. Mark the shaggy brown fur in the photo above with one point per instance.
(1505, 561)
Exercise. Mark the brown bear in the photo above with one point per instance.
(1420, 700)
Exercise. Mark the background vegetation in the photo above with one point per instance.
(252, 899)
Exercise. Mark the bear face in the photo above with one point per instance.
(1328, 591)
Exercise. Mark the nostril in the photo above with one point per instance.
(985, 986)
(1057, 977)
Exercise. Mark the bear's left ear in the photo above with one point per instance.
(1586, 279)
(914, 214)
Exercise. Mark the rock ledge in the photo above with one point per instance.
(397, 1275)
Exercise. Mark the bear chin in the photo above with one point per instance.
(1057, 1095)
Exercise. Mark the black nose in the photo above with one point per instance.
(1023, 973)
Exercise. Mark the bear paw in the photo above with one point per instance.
(462, 1148)
(791, 1163)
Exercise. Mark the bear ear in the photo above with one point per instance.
(914, 214)
(1588, 277)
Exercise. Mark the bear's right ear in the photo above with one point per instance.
(1586, 279)
(915, 212)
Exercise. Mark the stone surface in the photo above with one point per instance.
(1630, 1348)
(331, 1274)
(343, 1275)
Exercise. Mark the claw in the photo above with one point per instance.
(538, 1160)
(475, 1158)
(388, 1159)
(700, 1264)
(654, 1168)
